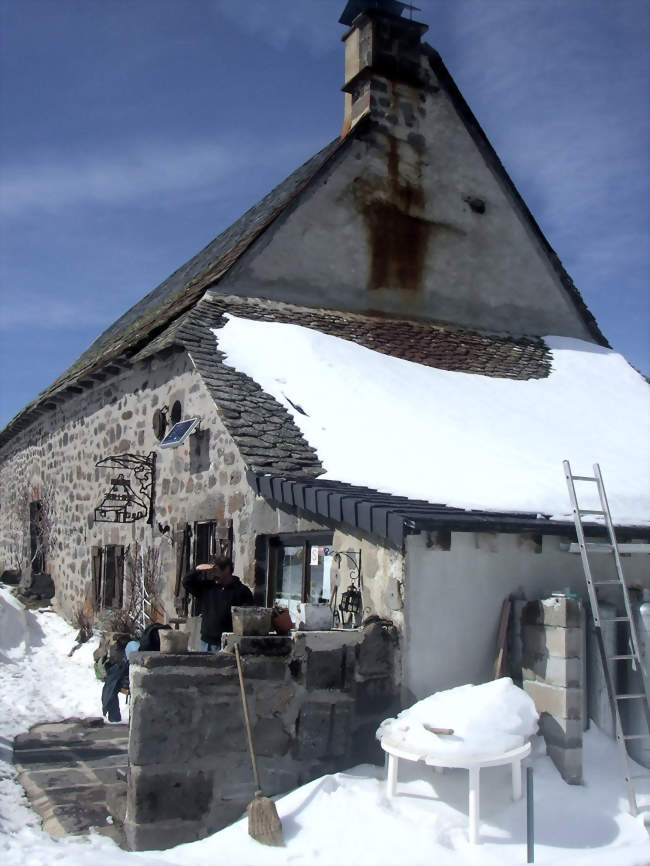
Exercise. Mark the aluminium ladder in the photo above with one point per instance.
(636, 688)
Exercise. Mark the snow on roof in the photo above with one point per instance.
(461, 439)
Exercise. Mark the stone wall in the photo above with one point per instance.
(203, 479)
(310, 711)
(553, 644)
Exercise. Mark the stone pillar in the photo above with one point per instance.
(308, 695)
(553, 635)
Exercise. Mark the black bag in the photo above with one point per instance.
(150, 639)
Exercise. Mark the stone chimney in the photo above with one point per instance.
(379, 45)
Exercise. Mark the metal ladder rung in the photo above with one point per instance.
(631, 650)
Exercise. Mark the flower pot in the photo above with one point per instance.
(281, 620)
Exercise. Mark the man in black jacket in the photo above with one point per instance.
(217, 589)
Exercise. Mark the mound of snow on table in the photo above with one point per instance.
(487, 720)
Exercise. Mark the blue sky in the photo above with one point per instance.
(133, 131)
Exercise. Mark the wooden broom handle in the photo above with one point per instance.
(244, 704)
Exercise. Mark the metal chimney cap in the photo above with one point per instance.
(356, 7)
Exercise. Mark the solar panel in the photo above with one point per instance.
(179, 433)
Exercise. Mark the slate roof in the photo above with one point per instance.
(152, 323)
(173, 297)
(392, 518)
(265, 433)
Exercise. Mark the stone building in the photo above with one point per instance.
(405, 236)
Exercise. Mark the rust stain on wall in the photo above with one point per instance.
(397, 239)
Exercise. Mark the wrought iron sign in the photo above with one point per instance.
(130, 496)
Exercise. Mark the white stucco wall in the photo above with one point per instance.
(454, 598)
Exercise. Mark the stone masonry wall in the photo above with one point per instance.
(203, 479)
(190, 771)
(553, 637)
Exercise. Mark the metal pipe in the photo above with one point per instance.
(530, 816)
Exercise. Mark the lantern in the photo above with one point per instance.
(351, 600)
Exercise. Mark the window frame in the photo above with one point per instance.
(306, 540)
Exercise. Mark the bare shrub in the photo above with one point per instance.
(144, 583)
(120, 621)
(83, 619)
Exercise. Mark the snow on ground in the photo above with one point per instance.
(338, 820)
(458, 438)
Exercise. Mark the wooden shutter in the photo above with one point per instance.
(119, 576)
(96, 554)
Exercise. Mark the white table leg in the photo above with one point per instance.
(516, 780)
(474, 794)
(391, 776)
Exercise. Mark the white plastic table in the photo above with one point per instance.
(473, 763)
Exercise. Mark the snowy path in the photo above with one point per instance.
(334, 821)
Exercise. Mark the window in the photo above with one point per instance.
(108, 576)
(211, 537)
(298, 569)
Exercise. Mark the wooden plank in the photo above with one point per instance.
(502, 636)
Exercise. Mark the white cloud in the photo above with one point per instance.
(50, 313)
(138, 174)
(112, 178)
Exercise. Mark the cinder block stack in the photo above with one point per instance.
(552, 631)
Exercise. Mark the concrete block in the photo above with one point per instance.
(561, 732)
(212, 661)
(555, 611)
(554, 641)
(568, 762)
(313, 730)
(277, 779)
(555, 670)
(374, 695)
(152, 721)
(251, 620)
(270, 645)
(342, 714)
(375, 655)
(259, 668)
(159, 795)
(324, 670)
(162, 834)
(314, 617)
(270, 737)
(559, 702)
(274, 699)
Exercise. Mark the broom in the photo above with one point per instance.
(263, 821)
